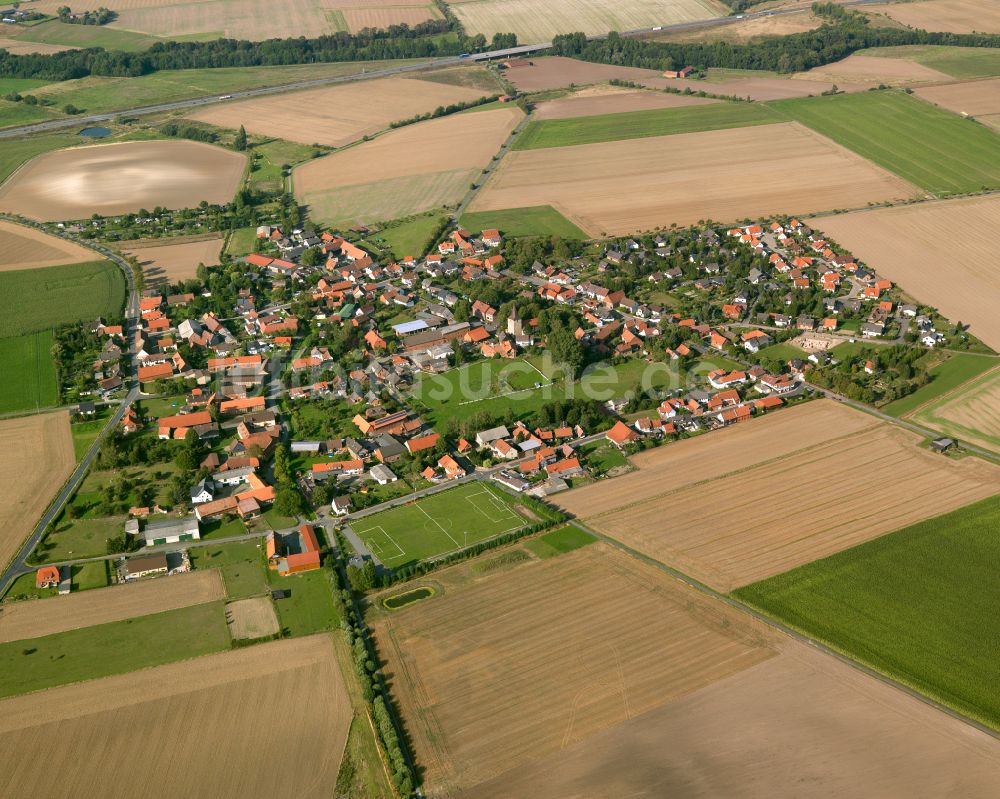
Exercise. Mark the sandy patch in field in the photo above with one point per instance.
(554, 72)
(110, 179)
(540, 20)
(268, 720)
(336, 115)
(20, 47)
(382, 17)
(497, 670)
(875, 69)
(406, 171)
(747, 30)
(164, 262)
(722, 175)
(948, 16)
(27, 248)
(251, 618)
(38, 459)
(801, 724)
(616, 101)
(728, 522)
(35, 618)
(941, 253)
(970, 413)
(975, 98)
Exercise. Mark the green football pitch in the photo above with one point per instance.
(439, 524)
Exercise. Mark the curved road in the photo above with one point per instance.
(19, 564)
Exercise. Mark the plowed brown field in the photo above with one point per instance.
(26, 248)
(268, 720)
(165, 262)
(336, 115)
(496, 671)
(35, 618)
(38, 458)
(778, 493)
(912, 246)
(950, 16)
(975, 97)
(723, 175)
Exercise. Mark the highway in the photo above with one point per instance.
(19, 564)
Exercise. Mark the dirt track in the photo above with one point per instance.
(269, 720)
(38, 458)
(35, 618)
(26, 248)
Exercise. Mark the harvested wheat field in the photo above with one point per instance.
(27, 248)
(554, 72)
(722, 175)
(336, 115)
(35, 618)
(609, 100)
(747, 30)
(753, 501)
(495, 671)
(406, 171)
(22, 47)
(970, 413)
(267, 720)
(120, 178)
(383, 13)
(957, 274)
(948, 16)
(975, 98)
(801, 724)
(761, 89)
(875, 69)
(540, 20)
(251, 618)
(38, 459)
(166, 261)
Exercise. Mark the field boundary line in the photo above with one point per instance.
(989, 373)
(439, 526)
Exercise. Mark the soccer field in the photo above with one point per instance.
(439, 524)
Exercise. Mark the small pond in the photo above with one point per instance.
(95, 133)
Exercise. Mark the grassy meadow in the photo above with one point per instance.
(30, 381)
(536, 220)
(945, 377)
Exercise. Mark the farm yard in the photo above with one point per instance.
(39, 458)
(266, 720)
(440, 523)
(970, 414)
(540, 20)
(930, 147)
(800, 718)
(121, 178)
(406, 171)
(953, 273)
(339, 115)
(950, 16)
(31, 619)
(778, 463)
(165, 261)
(497, 670)
(722, 174)
(599, 100)
(910, 604)
(26, 248)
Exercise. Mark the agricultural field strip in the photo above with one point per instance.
(969, 413)
(35, 618)
(23, 247)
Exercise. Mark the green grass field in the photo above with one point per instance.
(241, 564)
(782, 352)
(918, 604)
(39, 299)
(310, 608)
(935, 149)
(601, 456)
(535, 220)
(29, 373)
(410, 237)
(959, 62)
(438, 524)
(641, 124)
(113, 648)
(945, 377)
(564, 539)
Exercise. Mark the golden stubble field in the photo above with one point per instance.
(406, 171)
(120, 178)
(801, 724)
(941, 253)
(166, 261)
(761, 498)
(38, 617)
(496, 671)
(949, 16)
(337, 115)
(875, 69)
(596, 100)
(26, 248)
(268, 720)
(970, 413)
(540, 20)
(974, 97)
(38, 458)
(722, 175)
